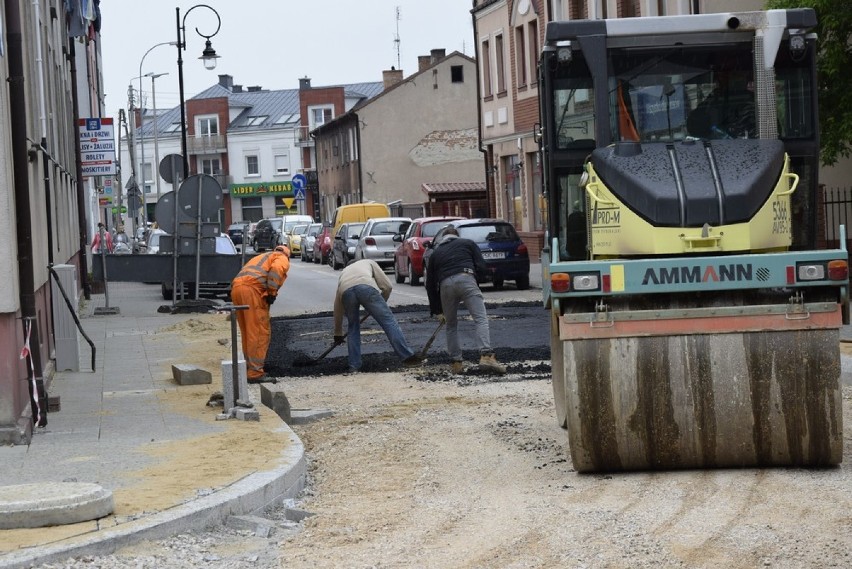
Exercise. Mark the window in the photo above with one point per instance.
(147, 173)
(252, 209)
(252, 121)
(320, 115)
(457, 74)
(208, 126)
(252, 165)
(211, 166)
(532, 37)
(520, 56)
(282, 163)
(174, 127)
(501, 72)
(486, 69)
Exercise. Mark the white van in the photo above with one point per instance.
(288, 222)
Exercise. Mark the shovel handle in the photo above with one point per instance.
(431, 339)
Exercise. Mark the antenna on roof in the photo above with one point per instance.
(396, 39)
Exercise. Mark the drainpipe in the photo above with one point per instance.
(81, 191)
(360, 158)
(489, 177)
(42, 112)
(20, 162)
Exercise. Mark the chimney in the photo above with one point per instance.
(254, 89)
(226, 81)
(437, 54)
(304, 83)
(423, 62)
(391, 77)
(237, 89)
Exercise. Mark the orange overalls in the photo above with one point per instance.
(261, 277)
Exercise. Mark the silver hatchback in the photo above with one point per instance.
(376, 241)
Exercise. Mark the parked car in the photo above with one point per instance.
(376, 241)
(309, 242)
(505, 254)
(322, 247)
(224, 246)
(235, 232)
(249, 236)
(294, 238)
(343, 248)
(268, 234)
(408, 256)
(152, 244)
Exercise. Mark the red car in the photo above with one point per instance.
(322, 245)
(408, 258)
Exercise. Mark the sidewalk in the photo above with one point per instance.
(156, 445)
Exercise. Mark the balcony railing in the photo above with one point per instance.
(207, 144)
(303, 136)
(225, 180)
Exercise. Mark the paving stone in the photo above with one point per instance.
(186, 374)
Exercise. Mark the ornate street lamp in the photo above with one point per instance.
(208, 57)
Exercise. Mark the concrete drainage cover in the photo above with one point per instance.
(52, 504)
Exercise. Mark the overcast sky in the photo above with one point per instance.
(273, 43)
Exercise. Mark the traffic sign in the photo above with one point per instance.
(288, 202)
(299, 182)
(299, 194)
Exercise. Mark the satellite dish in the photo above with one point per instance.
(200, 194)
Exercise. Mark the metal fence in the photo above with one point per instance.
(837, 208)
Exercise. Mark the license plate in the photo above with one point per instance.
(494, 255)
(388, 253)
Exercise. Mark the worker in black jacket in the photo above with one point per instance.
(451, 272)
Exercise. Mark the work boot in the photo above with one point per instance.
(489, 363)
(458, 368)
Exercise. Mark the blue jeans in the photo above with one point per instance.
(462, 289)
(376, 306)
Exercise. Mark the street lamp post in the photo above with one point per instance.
(156, 131)
(141, 136)
(208, 57)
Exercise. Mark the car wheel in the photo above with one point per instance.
(412, 276)
(523, 283)
(498, 283)
(167, 292)
(397, 276)
(334, 264)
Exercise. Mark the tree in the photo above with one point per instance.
(834, 68)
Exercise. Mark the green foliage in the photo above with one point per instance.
(834, 66)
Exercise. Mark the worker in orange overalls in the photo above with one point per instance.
(257, 286)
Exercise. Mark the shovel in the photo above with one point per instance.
(431, 339)
(304, 361)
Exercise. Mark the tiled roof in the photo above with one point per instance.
(453, 187)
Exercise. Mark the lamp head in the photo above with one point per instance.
(208, 56)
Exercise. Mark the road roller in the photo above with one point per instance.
(695, 303)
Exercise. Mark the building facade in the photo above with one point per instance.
(252, 140)
(420, 130)
(51, 69)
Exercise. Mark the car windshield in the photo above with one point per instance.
(388, 227)
(300, 229)
(315, 229)
(490, 232)
(225, 246)
(355, 229)
(431, 228)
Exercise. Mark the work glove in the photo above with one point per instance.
(339, 340)
(441, 318)
(270, 299)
